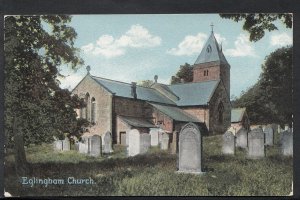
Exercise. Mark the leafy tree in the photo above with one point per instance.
(185, 72)
(146, 83)
(36, 108)
(256, 24)
(270, 99)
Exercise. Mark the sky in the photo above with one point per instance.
(132, 48)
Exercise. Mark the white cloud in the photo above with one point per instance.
(242, 47)
(190, 45)
(220, 39)
(282, 39)
(136, 37)
(70, 81)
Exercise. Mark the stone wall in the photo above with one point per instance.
(220, 95)
(103, 99)
(201, 113)
(165, 122)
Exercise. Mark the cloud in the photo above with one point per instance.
(282, 39)
(108, 46)
(190, 45)
(242, 47)
(70, 81)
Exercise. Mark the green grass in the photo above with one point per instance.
(155, 173)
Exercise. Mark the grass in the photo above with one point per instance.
(155, 173)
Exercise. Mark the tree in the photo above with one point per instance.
(36, 108)
(146, 83)
(256, 24)
(270, 99)
(184, 73)
(277, 82)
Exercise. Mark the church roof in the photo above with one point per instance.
(122, 89)
(175, 113)
(137, 122)
(192, 94)
(211, 52)
(237, 114)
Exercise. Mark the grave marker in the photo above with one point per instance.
(287, 143)
(134, 142)
(107, 143)
(269, 136)
(165, 142)
(228, 143)
(256, 142)
(242, 138)
(154, 137)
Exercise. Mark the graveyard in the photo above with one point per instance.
(154, 172)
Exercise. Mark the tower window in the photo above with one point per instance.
(208, 49)
(205, 72)
(220, 113)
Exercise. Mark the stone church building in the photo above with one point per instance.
(118, 107)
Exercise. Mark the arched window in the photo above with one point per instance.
(87, 101)
(220, 113)
(93, 110)
(81, 112)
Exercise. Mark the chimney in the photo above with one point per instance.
(133, 90)
(155, 78)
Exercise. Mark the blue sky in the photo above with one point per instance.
(137, 47)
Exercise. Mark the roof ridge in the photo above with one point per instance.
(193, 82)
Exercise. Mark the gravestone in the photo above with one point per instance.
(242, 138)
(123, 139)
(66, 144)
(165, 142)
(57, 144)
(145, 142)
(269, 136)
(83, 147)
(107, 143)
(134, 142)
(256, 143)
(190, 149)
(228, 146)
(160, 133)
(287, 143)
(154, 137)
(96, 145)
(174, 145)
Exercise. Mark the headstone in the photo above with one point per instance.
(145, 142)
(256, 143)
(190, 149)
(160, 133)
(96, 145)
(57, 144)
(269, 136)
(286, 127)
(228, 143)
(242, 138)
(107, 143)
(134, 142)
(123, 139)
(287, 143)
(174, 145)
(165, 142)
(83, 147)
(66, 144)
(154, 137)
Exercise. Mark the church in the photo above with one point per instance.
(118, 107)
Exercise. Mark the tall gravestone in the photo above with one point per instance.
(242, 138)
(57, 145)
(145, 142)
(269, 135)
(174, 145)
(165, 142)
(107, 143)
(83, 146)
(66, 144)
(134, 142)
(256, 143)
(96, 145)
(287, 143)
(228, 146)
(160, 133)
(154, 137)
(190, 149)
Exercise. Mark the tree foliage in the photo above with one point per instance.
(184, 73)
(32, 92)
(257, 24)
(270, 99)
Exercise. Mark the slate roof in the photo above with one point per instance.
(124, 90)
(137, 122)
(191, 94)
(175, 113)
(237, 114)
(212, 53)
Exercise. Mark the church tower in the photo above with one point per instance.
(211, 64)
